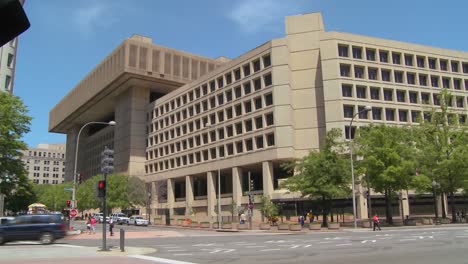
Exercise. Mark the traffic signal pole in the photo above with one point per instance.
(107, 166)
(104, 213)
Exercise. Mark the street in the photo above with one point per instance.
(416, 245)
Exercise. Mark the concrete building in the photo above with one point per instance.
(8, 63)
(45, 163)
(182, 119)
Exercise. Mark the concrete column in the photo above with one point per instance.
(361, 202)
(188, 195)
(170, 196)
(237, 185)
(267, 171)
(404, 204)
(211, 193)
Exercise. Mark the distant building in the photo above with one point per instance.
(8, 63)
(182, 119)
(45, 163)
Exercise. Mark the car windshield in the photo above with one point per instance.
(138, 217)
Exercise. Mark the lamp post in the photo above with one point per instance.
(366, 109)
(436, 209)
(110, 123)
(149, 207)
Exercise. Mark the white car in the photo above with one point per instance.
(137, 220)
(119, 218)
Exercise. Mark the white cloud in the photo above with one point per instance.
(92, 17)
(262, 15)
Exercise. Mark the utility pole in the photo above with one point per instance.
(107, 166)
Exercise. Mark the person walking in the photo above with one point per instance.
(242, 218)
(93, 225)
(111, 226)
(376, 222)
(88, 225)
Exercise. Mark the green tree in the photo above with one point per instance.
(441, 143)
(14, 124)
(268, 208)
(53, 196)
(136, 192)
(387, 160)
(324, 174)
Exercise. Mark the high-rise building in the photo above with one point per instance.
(8, 63)
(182, 119)
(45, 163)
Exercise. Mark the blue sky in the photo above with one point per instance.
(69, 38)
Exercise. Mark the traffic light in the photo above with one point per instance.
(79, 178)
(68, 203)
(251, 185)
(101, 189)
(107, 161)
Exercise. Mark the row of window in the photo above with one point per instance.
(386, 75)
(215, 101)
(392, 114)
(46, 154)
(54, 175)
(46, 181)
(401, 96)
(237, 129)
(211, 86)
(238, 147)
(399, 58)
(38, 168)
(245, 107)
(46, 162)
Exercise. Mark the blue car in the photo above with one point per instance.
(46, 228)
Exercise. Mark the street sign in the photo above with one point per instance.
(68, 189)
(73, 213)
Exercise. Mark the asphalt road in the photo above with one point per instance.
(428, 245)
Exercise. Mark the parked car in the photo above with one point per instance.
(46, 228)
(100, 218)
(137, 220)
(5, 219)
(119, 218)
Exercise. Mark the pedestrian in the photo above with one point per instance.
(88, 225)
(301, 220)
(93, 225)
(111, 226)
(310, 215)
(376, 222)
(242, 218)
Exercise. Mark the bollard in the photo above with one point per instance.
(122, 240)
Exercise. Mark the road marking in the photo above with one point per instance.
(326, 242)
(170, 247)
(270, 249)
(408, 239)
(176, 250)
(340, 245)
(203, 245)
(365, 241)
(160, 260)
(218, 250)
(258, 246)
(69, 246)
(422, 237)
(306, 246)
(462, 236)
(183, 254)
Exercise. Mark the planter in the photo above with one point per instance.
(295, 227)
(214, 226)
(186, 223)
(315, 226)
(204, 225)
(195, 224)
(427, 221)
(265, 226)
(367, 224)
(283, 226)
(334, 226)
(242, 226)
(157, 221)
(226, 226)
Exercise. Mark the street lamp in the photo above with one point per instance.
(366, 109)
(434, 185)
(149, 207)
(219, 182)
(110, 123)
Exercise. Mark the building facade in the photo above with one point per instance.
(182, 125)
(45, 163)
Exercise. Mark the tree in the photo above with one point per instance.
(14, 123)
(441, 143)
(387, 160)
(136, 197)
(53, 196)
(324, 174)
(268, 208)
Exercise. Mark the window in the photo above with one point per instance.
(229, 131)
(256, 65)
(359, 72)
(388, 95)
(457, 84)
(462, 119)
(361, 92)
(413, 97)
(257, 83)
(346, 90)
(466, 84)
(258, 122)
(248, 107)
(259, 142)
(409, 60)
(411, 78)
(383, 56)
(229, 113)
(396, 58)
(349, 133)
(268, 99)
(269, 119)
(435, 99)
(220, 99)
(398, 76)
(238, 128)
(343, 50)
(385, 75)
(248, 125)
(258, 103)
(238, 109)
(348, 111)
(446, 83)
(434, 81)
(390, 114)
(357, 52)
(247, 88)
(415, 116)
(372, 73)
(420, 61)
(237, 74)
(370, 54)
(459, 102)
(228, 95)
(403, 115)
(443, 65)
(246, 69)
(266, 60)
(401, 96)
(454, 65)
(363, 114)
(7, 82)
(220, 82)
(432, 63)
(345, 70)
(10, 60)
(425, 98)
(376, 113)
(267, 80)
(375, 93)
(238, 92)
(270, 139)
(248, 144)
(228, 77)
(422, 80)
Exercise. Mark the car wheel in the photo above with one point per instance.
(46, 238)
